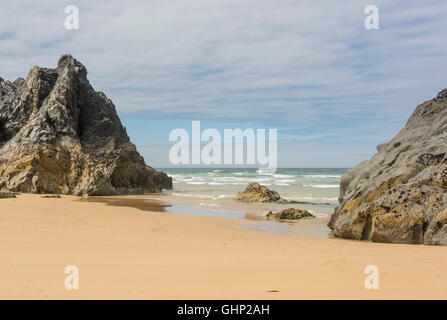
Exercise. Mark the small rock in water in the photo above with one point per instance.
(257, 193)
(290, 214)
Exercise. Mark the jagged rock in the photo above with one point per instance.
(257, 193)
(287, 201)
(5, 193)
(290, 214)
(58, 135)
(400, 194)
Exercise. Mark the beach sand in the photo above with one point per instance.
(127, 253)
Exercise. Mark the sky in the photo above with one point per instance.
(333, 89)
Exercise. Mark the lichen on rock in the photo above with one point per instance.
(290, 214)
(58, 135)
(257, 193)
(400, 194)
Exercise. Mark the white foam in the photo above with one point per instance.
(192, 195)
(285, 181)
(266, 171)
(322, 175)
(177, 176)
(320, 215)
(312, 199)
(209, 204)
(182, 194)
(321, 185)
(283, 176)
(222, 196)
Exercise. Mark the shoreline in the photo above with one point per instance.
(252, 216)
(126, 253)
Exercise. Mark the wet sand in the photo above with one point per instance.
(125, 252)
(252, 214)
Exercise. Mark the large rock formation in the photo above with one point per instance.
(400, 194)
(59, 135)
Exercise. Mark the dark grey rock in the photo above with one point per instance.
(58, 135)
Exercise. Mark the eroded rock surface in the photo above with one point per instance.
(400, 194)
(290, 214)
(58, 135)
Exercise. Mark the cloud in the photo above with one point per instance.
(306, 64)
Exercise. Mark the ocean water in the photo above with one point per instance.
(211, 192)
(317, 189)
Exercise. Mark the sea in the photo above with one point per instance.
(317, 189)
(211, 192)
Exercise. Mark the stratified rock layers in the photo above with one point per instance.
(58, 135)
(400, 194)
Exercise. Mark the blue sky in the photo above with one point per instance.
(333, 89)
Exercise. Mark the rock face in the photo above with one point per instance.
(257, 193)
(290, 214)
(400, 194)
(58, 135)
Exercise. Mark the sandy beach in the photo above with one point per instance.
(127, 253)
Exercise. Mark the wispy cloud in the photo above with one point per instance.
(304, 64)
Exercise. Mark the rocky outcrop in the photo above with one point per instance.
(400, 194)
(58, 135)
(5, 193)
(290, 214)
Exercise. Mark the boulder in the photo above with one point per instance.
(257, 193)
(5, 193)
(290, 214)
(400, 194)
(60, 136)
